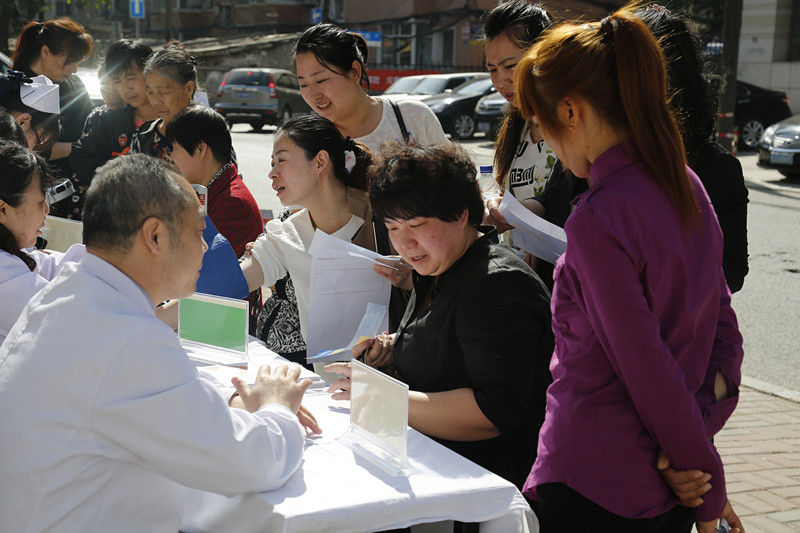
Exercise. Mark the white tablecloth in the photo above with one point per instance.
(336, 490)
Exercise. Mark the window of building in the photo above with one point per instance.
(336, 10)
(424, 44)
(448, 47)
(225, 15)
(193, 4)
(398, 44)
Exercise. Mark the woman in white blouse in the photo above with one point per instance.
(24, 178)
(332, 73)
(315, 167)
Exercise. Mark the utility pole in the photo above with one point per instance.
(726, 123)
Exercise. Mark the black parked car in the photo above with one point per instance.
(779, 147)
(259, 96)
(456, 109)
(756, 108)
(489, 114)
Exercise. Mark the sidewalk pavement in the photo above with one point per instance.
(760, 447)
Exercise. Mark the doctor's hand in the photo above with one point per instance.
(492, 215)
(688, 485)
(278, 385)
(377, 351)
(729, 515)
(400, 276)
(340, 388)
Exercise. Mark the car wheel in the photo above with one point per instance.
(257, 125)
(750, 132)
(287, 115)
(462, 126)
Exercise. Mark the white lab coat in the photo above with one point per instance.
(18, 284)
(106, 421)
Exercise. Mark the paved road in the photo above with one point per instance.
(254, 149)
(768, 306)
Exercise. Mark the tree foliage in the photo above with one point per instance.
(14, 14)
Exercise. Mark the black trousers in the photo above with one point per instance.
(563, 510)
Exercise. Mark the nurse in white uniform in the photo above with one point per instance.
(24, 271)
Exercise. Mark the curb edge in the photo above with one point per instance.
(769, 388)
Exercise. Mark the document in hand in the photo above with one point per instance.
(342, 284)
(372, 322)
(533, 234)
(61, 233)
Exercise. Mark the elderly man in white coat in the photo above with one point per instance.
(105, 420)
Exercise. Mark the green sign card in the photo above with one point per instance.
(215, 321)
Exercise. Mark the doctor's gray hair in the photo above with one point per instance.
(125, 192)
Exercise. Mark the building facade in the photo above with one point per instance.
(769, 46)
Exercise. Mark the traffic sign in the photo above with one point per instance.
(137, 9)
(316, 15)
(373, 38)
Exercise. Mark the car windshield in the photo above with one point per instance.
(247, 77)
(430, 86)
(473, 87)
(402, 86)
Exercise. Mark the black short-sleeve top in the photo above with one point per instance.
(487, 328)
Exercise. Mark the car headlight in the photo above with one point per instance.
(766, 138)
(438, 106)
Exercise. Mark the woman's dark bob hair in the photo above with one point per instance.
(408, 181)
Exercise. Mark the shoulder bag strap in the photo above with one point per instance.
(400, 121)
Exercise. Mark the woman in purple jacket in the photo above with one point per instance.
(641, 311)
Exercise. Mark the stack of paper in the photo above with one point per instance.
(533, 234)
(342, 284)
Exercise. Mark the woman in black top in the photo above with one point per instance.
(54, 49)
(693, 103)
(475, 342)
(112, 135)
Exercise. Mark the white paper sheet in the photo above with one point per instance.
(371, 323)
(533, 234)
(342, 284)
(323, 241)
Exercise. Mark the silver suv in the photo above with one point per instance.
(259, 96)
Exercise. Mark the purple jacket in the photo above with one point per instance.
(643, 322)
